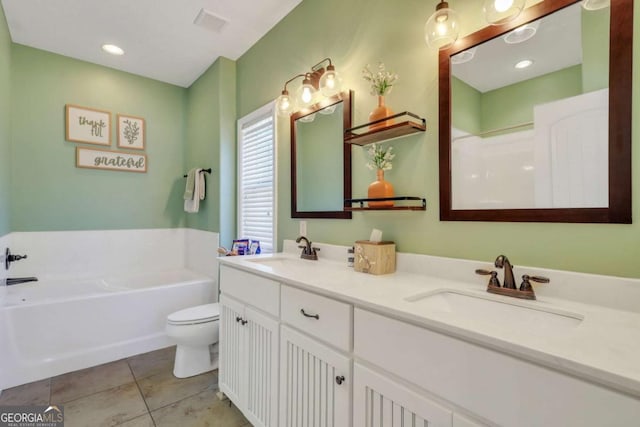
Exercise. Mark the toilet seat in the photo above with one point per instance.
(195, 315)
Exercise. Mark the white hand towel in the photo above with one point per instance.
(193, 205)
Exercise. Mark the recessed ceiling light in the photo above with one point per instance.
(524, 64)
(112, 49)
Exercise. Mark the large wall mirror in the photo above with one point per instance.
(535, 117)
(320, 160)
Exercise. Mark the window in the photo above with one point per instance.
(256, 177)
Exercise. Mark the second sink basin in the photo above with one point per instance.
(497, 310)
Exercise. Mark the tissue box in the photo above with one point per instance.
(374, 257)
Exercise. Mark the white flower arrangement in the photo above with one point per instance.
(381, 82)
(379, 158)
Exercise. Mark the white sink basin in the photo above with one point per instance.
(497, 310)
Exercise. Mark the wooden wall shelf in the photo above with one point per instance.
(421, 207)
(408, 124)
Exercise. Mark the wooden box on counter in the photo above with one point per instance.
(374, 257)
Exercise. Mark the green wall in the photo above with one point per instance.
(513, 105)
(595, 49)
(360, 32)
(466, 113)
(5, 129)
(48, 191)
(210, 136)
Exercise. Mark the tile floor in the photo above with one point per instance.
(139, 391)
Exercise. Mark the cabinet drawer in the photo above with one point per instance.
(331, 321)
(249, 288)
(486, 382)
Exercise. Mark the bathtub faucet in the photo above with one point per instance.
(9, 258)
(17, 280)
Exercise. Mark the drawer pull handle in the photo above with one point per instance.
(315, 316)
(244, 322)
(238, 318)
(340, 379)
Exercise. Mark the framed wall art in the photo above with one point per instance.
(87, 125)
(131, 132)
(92, 158)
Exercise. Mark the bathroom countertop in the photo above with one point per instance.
(604, 347)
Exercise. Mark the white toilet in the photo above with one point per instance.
(195, 331)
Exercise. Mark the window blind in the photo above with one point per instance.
(256, 189)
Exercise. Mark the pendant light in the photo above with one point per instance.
(498, 12)
(442, 28)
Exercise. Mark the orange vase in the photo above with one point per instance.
(380, 112)
(378, 189)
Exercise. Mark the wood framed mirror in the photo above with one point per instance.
(487, 128)
(320, 160)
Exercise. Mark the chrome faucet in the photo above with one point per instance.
(503, 262)
(308, 252)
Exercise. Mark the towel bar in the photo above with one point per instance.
(203, 170)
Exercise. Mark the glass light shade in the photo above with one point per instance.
(284, 104)
(498, 12)
(595, 4)
(522, 33)
(442, 28)
(330, 82)
(306, 94)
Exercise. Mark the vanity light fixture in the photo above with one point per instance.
(441, 29)
(524, 64)
(112, 49)
(595, 4)
(318, 82)
(498, 12)
(522, 33)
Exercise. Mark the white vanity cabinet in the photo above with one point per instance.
(315, 379)
(249, 340)
(315, 383)
(379, 401)
(497, 387)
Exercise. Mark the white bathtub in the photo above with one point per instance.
(61, 325)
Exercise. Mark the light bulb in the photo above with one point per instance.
(441, 29)
(330, 82)
(284, 104)
(503, 5)
(498, 12)
(306, 93)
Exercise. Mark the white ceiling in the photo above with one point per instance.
(556, 45)
(159, 37)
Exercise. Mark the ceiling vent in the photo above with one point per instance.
(208, 20)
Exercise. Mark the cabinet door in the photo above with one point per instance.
(381, 402)
(315, 383)
(261, 406)
(232, 372)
